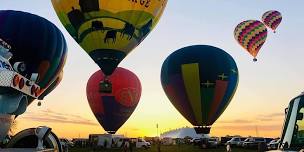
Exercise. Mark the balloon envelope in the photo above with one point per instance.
(200, 82)
(113, 109)
(272, 19)
(36, 42)
(251, 35)
(109, 29)
(52, 86)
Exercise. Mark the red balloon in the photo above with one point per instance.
(112, 110)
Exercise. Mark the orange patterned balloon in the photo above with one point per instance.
(251, 35)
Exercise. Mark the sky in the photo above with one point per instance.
(264, 91)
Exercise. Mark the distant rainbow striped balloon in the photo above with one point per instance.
(251, 35)
(272, 19)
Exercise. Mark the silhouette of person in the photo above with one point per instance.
(126, 145)
(76, 18)
(131, 146)
(158, 145)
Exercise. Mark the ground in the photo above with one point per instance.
(182, 148)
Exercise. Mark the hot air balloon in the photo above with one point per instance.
(200, 82)
(51, 87)
(113, 109)
(272, 19)
(32, 55)
(32, 47)
(108, 30)
(251, 35)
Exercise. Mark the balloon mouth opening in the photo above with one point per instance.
(105, 86)
(255, 59)
(202, 129)
(111, 132)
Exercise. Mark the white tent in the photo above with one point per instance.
(181, 133)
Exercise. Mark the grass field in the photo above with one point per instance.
(182, 148)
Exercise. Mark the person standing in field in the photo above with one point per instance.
(131, 145)
(158, 145)
(228, 148)
(126, 145)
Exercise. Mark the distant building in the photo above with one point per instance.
(89, 5)
(151, 139)
(93, 137)
(80, 142)
(181, 133)
(105, 140)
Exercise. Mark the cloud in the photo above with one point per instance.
(265, 119)
(134, 129)
(250, 127)
(239, 121)
(57, 117)
(271, 116)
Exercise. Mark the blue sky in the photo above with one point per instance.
(265, 87)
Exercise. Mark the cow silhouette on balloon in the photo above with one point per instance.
(110, 35)
(97, 25)
(129, 31)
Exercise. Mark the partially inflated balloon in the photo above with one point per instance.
(113, 109)
(36, 42)
(49, 89)
(200, 82)
(109, 29)
(52, 86)
(272, 19)
(251, 35)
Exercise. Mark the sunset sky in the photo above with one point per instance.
(265, 87)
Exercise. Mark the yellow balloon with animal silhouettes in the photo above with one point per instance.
(109, 29)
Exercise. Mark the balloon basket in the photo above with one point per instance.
(202, 129)
(111, 132)
(255, 59)
(105, 86)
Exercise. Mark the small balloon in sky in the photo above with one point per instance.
(272, 19)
